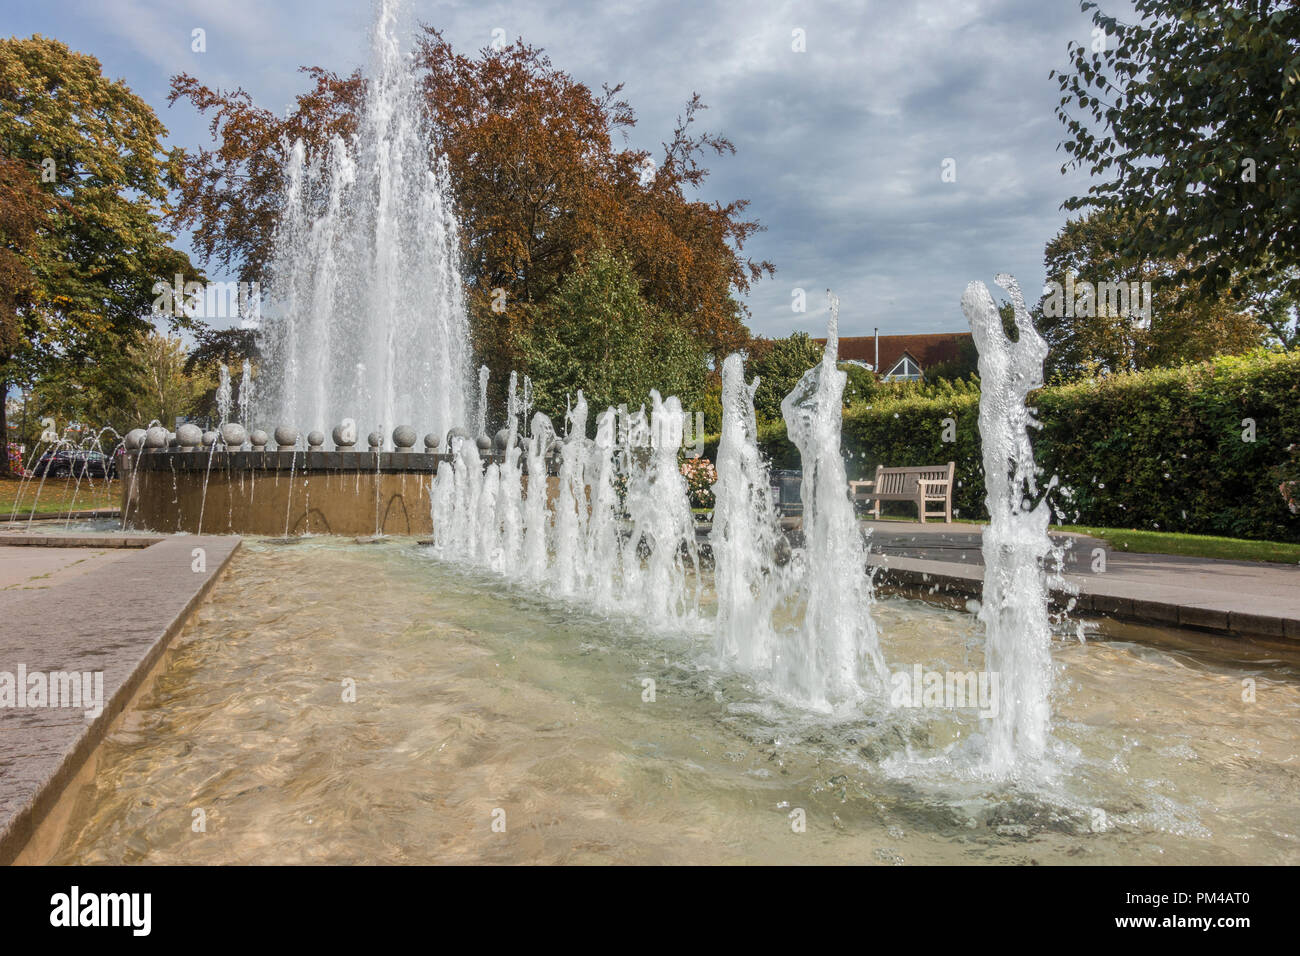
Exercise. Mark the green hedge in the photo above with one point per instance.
(1153, 450)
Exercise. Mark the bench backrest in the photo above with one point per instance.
(902, 481)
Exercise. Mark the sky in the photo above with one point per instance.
(841, 147)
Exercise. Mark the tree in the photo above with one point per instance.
(599, 334)
(779, 364)
(231, 197)
(1112, 312)
(22, 215)
(89, 151)
(541, 186)
(1190, 120)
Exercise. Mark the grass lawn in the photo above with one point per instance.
(57, 496)
(1191, 545)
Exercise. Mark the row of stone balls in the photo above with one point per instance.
(191, 438)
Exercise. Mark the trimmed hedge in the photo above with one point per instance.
(1157, 450)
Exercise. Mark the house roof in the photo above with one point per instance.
(927, 350)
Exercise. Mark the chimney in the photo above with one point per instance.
(876, 368)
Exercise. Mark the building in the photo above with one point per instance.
(903, 358)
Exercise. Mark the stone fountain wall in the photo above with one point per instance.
(281, 492)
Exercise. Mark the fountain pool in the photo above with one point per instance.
(474, 695)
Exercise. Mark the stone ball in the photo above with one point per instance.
(315, 439)
(286, 436)
(155, 438)
(404, 437)
(375, 440)
(190, 436)
(345, 433)
(134, 439)
(431, 443)
(232, 433)
(501, 440)
(555, 447)
(210, 439)
(484, 443)
(258, 438)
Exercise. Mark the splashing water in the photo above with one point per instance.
(1014, 606)
(367, 315)
(481, 422)
(246, 394)
(223, 394)
(836, 659)
(745, 532)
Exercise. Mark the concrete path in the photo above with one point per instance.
(116, 620)
(1235, 598)
(28, 568)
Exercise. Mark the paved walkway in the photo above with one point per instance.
(115, 618)
(1239, 598)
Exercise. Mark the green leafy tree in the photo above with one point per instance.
(93, 151)
(599, 334)
(1105, 330)
(1189, 119)
(779, 364)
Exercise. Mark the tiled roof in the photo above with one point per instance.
(927, 350)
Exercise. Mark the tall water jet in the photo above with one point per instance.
(1016, 544)
(367, 315)
(223, 393)
(480, 413)
(745, 531)
(658, 507)
(835, 657)
(246, 394)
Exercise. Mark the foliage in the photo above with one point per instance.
(1158, 450)
(599, 334)
(155, 381)
(779, 364)
(542, 187)
(1174, 325)
(1189, 119)
(963, 366)
(94, 265)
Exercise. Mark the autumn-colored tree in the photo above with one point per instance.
(88, 151)
(231, 196)
(541, 185)
(22, 214)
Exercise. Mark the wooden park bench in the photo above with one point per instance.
(924, 485)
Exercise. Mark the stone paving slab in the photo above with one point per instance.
(43, 568)
(89, 540)
(117, 619)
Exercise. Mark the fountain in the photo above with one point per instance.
(367, 315)
(1016, 545)
(837, 657)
